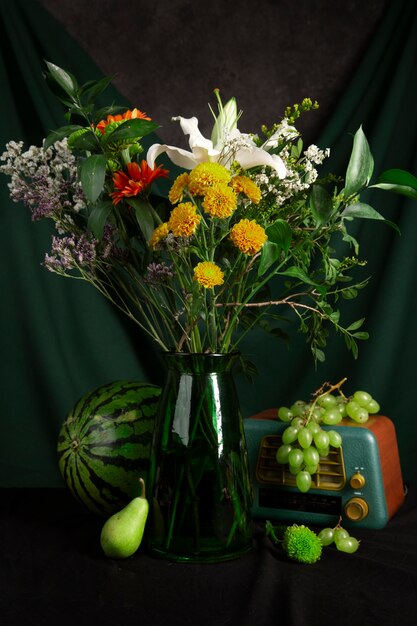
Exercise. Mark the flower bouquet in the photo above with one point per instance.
(246, 235)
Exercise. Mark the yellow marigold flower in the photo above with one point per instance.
(184, 220)
(176, 192)
(206, 175)
(158, 234)
(208, 274)
(243, 184)
(248, 236)
(220, 201)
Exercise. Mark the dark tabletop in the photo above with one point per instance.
(52, 571)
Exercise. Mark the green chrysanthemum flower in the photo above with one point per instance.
(302, 544)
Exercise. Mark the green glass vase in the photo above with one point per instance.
(199, 486)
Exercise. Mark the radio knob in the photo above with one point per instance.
(357, 481)
(356, 509)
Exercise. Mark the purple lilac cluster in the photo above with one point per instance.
(44, 180)
(157, 273)
(70, 252)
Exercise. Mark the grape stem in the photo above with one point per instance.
(321, 394)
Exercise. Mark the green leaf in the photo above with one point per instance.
(86, 141)
(94, 88)
(361, 165)
(361, 335)
(269, 254)
(398, 181)
(280, 233)
(144, 216)
(98, 218)
(60, 133)
(130, 129)
(318, 354)
(356, 325)
(360, 209)
(321, 204)
(298, 273)
(92, 175)
(64, 79)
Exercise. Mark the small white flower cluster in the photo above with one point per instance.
(44, 180)
(296, 180)
(316, 155)
(233, 142)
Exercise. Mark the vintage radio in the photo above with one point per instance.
(361, 481)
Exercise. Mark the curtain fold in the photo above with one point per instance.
(59, 338)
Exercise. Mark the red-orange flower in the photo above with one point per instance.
(127, 115)
(138, 178)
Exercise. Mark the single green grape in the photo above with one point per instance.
(331, 416)
(335, 438)
(285, 414)
(361, 416)
(311, 456)
(283, 453)
(289, 435)
(327, 401)
(296, 457)
(305, 437)
(294, 469)
(313, 426)
(342, 408)
(372, 406)
(321, 439)
(352, 408)
(326, 536)
(297, 422)
(362, 398)
(298, 407)
(348, 544)
(340, 533)
(303, 481)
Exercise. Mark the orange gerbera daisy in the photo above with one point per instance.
(127, 115)
(138, 178)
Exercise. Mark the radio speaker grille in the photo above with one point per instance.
(330, 474)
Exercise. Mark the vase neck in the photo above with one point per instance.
(199, 363)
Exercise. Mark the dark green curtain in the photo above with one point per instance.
(59, 339)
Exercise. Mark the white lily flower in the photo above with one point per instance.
(230, 145)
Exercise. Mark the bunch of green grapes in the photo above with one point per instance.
(304, 441)
(341, 537)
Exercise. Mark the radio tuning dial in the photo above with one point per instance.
(357, 481)
(356, 509)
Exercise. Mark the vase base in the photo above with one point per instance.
(200, 557)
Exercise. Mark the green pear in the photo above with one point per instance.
(122, 533)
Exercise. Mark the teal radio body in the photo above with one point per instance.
(360, 482)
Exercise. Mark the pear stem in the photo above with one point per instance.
(143, 489)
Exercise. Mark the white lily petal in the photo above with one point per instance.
(180, 157)
(252, 157)
(189, 126)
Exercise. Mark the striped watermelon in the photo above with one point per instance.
(104, 444)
